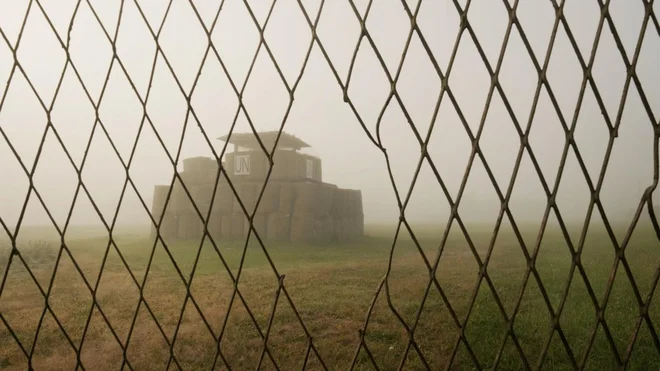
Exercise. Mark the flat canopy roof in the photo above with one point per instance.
(248, 140)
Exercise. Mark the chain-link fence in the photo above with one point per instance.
(77, 330)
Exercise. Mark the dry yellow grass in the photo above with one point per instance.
(332, 288)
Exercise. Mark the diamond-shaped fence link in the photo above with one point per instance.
(362, 354)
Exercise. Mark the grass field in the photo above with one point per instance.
(332, 288)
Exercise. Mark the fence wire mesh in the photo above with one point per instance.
(362, 356)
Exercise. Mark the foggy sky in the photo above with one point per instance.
(318, 115)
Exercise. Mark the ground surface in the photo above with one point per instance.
(332, 288)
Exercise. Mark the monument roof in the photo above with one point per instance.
(248, 140)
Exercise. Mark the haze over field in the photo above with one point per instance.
(471, 298)
(319, 115)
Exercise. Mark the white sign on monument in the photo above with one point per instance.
(310, 169)
(242, 165)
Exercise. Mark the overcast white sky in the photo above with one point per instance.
(319, 115)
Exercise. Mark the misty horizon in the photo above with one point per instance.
(318, 114)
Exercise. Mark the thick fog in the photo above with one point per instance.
(319, 114)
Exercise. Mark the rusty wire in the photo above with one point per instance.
(503, 191)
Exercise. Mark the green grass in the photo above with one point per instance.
(332, 287)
